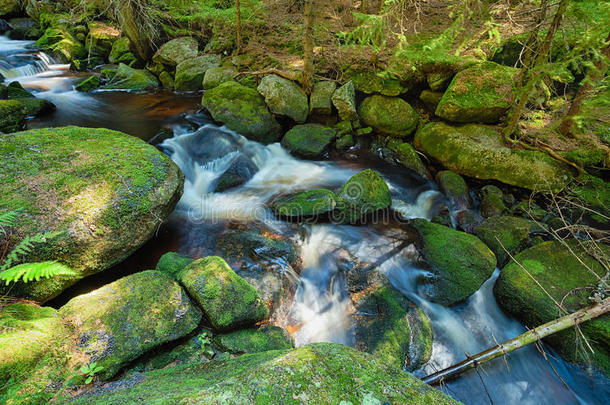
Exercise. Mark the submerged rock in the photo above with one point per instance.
(312, 203)
(364, 193)
(243, 110)
(344, 100)
(389, 115)
(284, 97)
(241, 170)
(318, 373)
(570, 276)
(190, 73)
(102, 194)
(12, 116)
(479, 152)
(127, 78)
(461, 262)
(308, 140)
(227, 300)
(176, 51)
(254, 340)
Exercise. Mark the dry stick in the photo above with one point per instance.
(520, 341)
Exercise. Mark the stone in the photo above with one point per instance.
(455, 189)
(216, 76)
(127, 78)
(438, 81)
(89, 84)
(312, 203)
(492, 202)
(401, 153)
(389, 115)
(344, 100)
(12, 116)
(176, 51)
(120, 48)
(254, 340)
(430, 98)
(239, 172)
(62, 44)
(173, 263)
(320, 103)
(308, 140)
(34, 107)
(190, 73)
(371, 83)
(284, 97)
(363, 194)
(101, 38)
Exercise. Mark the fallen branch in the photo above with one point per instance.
(520, 341)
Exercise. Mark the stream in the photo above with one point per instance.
(320, 306)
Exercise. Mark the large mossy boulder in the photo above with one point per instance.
(101, 38)
(127, 78)
(215, 76)
(363, 194)
(344, 100)
(119, 322)
(12, 116)
(478, 151)
(481, 93)
(59, 41)
(227, 300)
(120, 48)
(321, 373)
(308, 140)
(254, 340)
(461, 262)
(320, 103)
(102, 194)
(312, 203)
(389, 115)
(190, 73)
(243, 110)
(176, 51)
(284, 97)
(570, 276)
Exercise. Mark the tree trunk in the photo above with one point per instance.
(584, 91)
(129, 24)
(534, 71)
(308, 47)
(520, 341)
(238, 38)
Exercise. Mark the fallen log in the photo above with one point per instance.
(520, 341)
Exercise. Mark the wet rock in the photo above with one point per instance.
(402, 153)
(344, 100)
(344, 373)
(243, 110)
(364, 193)
(61, 43)
(241, 170)
(492, 202)
(284, 97)
(99, 211)
(461, 262)
(15, 90)
(190, 73)
(468, 220)
(12, 116)
(455, 189)
(479, 152)
(173, 263)
(312, 203)
(89, 84)
(389, 115)
(481, 93)
(570, 275)
(100, 38)
(4, 26)
(345, 142)
(308, 140)
(430, 98)
(254, 340)
(127, 78)
(320, 103)
(227, 300)
(371, 83)
(216, 76)
(176, 51)
(24, 28)
(120, 321)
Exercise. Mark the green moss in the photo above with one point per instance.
(62, 43)
(568, 274)
(119, 48)
(190, 73)
(12, 116)
(257, 340)
(173, 263)
(389, 115)
(504, 234)
(492, 202)
(176, 51)
(431, 98)
(407, 156)
(461, 261)
(284, 97)
(308, 140)
(595, 194)
(16, 91)
(216, 76)
(363, 194)
(227, 300)
(320, 103)
(306, 204)
(89, 84)
(586, 157)
(455, 188)
(370, 83)
(127, 78)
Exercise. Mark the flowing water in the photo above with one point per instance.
(321, 304)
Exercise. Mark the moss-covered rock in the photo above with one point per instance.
(10, 7)
(482, 93)
(176, 51)
(566, 272)
(397, 152)
(312, 203)
(431, 98)
(173, 263)
(344, 100)
(120, 48)
(12, 116)
(479, 152)
(595, 194)
(15, 90)
(491, 201)
(370, 83)
(284, 97)
(455, 189)
(190, 73)
(89, 84)
(308, 140)
(216, 76)
(254, 340)
(502, 234)
(62, 44)
(117, 323)
(101, 192)
(363, 194)
(100, 38)
(319, 373)
(127, 78)
(320, 103)
(438, 81)
(389, 115)
(227, 300)
(460, 261)
(33, 107)
(243, 110)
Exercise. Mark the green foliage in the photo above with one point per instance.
(25, 247)
(35, 271)
(90, 370)
(370, 32)
(7, 220)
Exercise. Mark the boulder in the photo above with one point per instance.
(117, 323)
(308, 140)
(479, 152)
(167, 81)
(284, 97)
(120, 48)
(216, 76)
(227, 300)
(101, 38)
(568, 275)
(481, 93)
(15, 90)
(344, 100)
(438, 81)
(389, 115)
(190, 73)
(127, 78)
(320, 103)
(173, 263)
(254, 340)
(33, 107)
(243, 110)
(492, 202)
(10, 7)
(99, 210)
(176, 51)
(89, 84)
(312, 203)
(371, 83)
(430, 98)
(502, 234)
(62, 44)
(455, 189)
(396, 152)
(461, 263)
(12, 116)
(363, 194)
(239, 172)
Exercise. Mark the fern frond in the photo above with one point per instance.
(8, 219)
(35, 271)
(24, 247)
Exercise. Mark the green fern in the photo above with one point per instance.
(35, 271)
(24, 247)
(7, 220)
